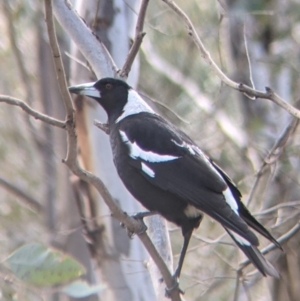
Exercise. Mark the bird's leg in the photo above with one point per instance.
(186, 240)
(176, 275)
(187, 233)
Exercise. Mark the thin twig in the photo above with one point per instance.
(237, 286)
(17, 102)
(99, 58)
(59, 68)
(248, 91)
(274, 154)
(102, 126)
(139, 35)
(248, 56)
(25, 197)
(287, 205)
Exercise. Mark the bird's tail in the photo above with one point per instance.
(254, 255)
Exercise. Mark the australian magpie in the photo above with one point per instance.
(169, 174)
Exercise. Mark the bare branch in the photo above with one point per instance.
(102, 126)
(204, 53)
(288, 205)
(274, 154)
(237, 286)
(248, 57)
(25, 197)
(248, 91)
(17, 102)
(85, 40)
(139, 35)
(59, 68)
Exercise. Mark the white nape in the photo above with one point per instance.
(136, 152)
(230, 200)
(146, 169)
(135, 104)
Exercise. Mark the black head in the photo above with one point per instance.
(110, 93)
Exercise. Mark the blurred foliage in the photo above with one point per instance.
(40, 266)
(272, 31)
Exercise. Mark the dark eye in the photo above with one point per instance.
(108, 86)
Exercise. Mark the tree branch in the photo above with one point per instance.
(102, 126)
(286, 205)
(139, 35)
(248, 91)
(17, 102)
(85, 40)
(274, 154)
(59, 68)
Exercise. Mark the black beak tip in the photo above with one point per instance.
(74, 90)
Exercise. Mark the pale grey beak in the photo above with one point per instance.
(87, 89)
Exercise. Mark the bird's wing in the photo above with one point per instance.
(172, 162)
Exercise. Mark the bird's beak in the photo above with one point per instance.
(87, 89)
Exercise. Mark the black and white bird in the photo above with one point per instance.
(169, 174)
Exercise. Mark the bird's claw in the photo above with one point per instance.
(175, 286)
(138, 216)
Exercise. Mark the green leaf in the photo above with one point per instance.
(81, 289)
(42, 266)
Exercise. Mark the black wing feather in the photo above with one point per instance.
(191, 176)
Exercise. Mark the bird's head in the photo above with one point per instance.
(110, 93)
(116, 97)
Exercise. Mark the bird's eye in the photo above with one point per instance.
(108, 86)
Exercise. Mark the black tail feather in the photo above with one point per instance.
(257, 259)
(243, 211)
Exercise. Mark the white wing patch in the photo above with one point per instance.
(193, 150)
(185, 145)
(230, 200)
(136, 152)
(240, 239)
(135, 104)
(146, 169)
